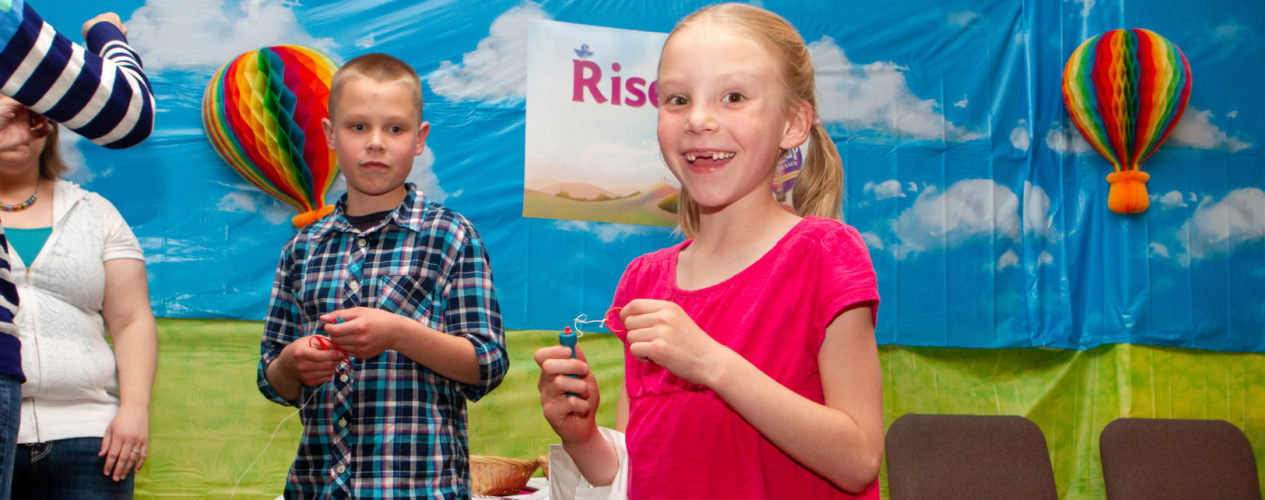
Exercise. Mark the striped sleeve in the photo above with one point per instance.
(100, 93)
(8, 293)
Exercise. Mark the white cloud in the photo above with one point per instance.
(873, 241)
(875, 96)
(496, 69)
(884, 190)
(962, 102)
(1037, 219)
(962, 18)
(422, 175)
(913, 188)
(1232, 114)
(1045, 259)
(1008, 259)
(967, 210)
(1196, 130)
(77, 169)
(1230, 31)
(1159, 249)
(366, 41)
(1223, 227)
(1066, 140)
(1019, 137)
(1173, 199)
(605, 231)
(1086, 5)
(206, 34)
(249, 199)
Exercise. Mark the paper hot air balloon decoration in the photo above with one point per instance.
(1126, 90)
(262, 113)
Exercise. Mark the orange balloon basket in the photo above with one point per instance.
(311, 216)
(1128, 192)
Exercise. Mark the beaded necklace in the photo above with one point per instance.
(22, 206)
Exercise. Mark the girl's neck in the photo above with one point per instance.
(731, 240)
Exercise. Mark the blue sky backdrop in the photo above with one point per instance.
(984, 210)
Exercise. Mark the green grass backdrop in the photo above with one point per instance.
(208, 420)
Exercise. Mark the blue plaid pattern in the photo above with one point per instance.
(389, 428)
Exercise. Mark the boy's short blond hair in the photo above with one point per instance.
(379, 68)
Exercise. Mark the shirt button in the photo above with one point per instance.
(342, 422)
(361, 242)
(353, 285)
(343, 377)
(341, 468)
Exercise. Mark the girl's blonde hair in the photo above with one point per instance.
(51, 164)
(819, 187)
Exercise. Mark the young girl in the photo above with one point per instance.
(750, 363)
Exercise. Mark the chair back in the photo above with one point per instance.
(968, 456)
(1172, 458)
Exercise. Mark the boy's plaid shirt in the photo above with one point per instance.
(389, 427)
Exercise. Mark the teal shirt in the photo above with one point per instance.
(27, 242)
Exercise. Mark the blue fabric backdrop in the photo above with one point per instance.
(984, 210)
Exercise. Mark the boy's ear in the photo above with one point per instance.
(328, 127)
(798, 126)
(423, 130)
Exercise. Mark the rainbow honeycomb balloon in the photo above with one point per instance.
(1126, 90)
(262, 113)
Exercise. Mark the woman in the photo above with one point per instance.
(79, 271)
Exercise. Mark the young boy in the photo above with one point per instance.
(402, 287)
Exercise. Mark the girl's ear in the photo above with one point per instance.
(799, 124)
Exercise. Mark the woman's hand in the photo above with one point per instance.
(126, 442)
(662, 333)
(104, 17)
(573, 417)
(18, 124)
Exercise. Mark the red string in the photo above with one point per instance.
(325, 344)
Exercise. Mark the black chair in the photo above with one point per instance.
(968, 456)
(1170, 458)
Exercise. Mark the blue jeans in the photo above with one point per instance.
(10, 416)
(65, 469)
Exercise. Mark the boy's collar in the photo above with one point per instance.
(408, 214)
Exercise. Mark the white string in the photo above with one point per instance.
(583, 319)
(274, 436)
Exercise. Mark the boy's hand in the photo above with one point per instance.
(313, 365)
(365, 332)
(662, 333)
(573, 418)
(104, 17)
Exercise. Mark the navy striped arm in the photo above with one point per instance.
(8, 293)
(100, 93)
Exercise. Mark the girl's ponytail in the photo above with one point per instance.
(819, 187)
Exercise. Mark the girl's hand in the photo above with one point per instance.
(573, 418)
(364, 332)
(126, 442)
(662, 333)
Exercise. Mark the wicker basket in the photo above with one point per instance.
(500, 475)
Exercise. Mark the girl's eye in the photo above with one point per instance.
(677, 100)
(396, 129)
(359, 127)
(734, 97)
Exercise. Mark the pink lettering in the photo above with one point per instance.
(581, 82)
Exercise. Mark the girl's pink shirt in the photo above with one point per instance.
(683, 440)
